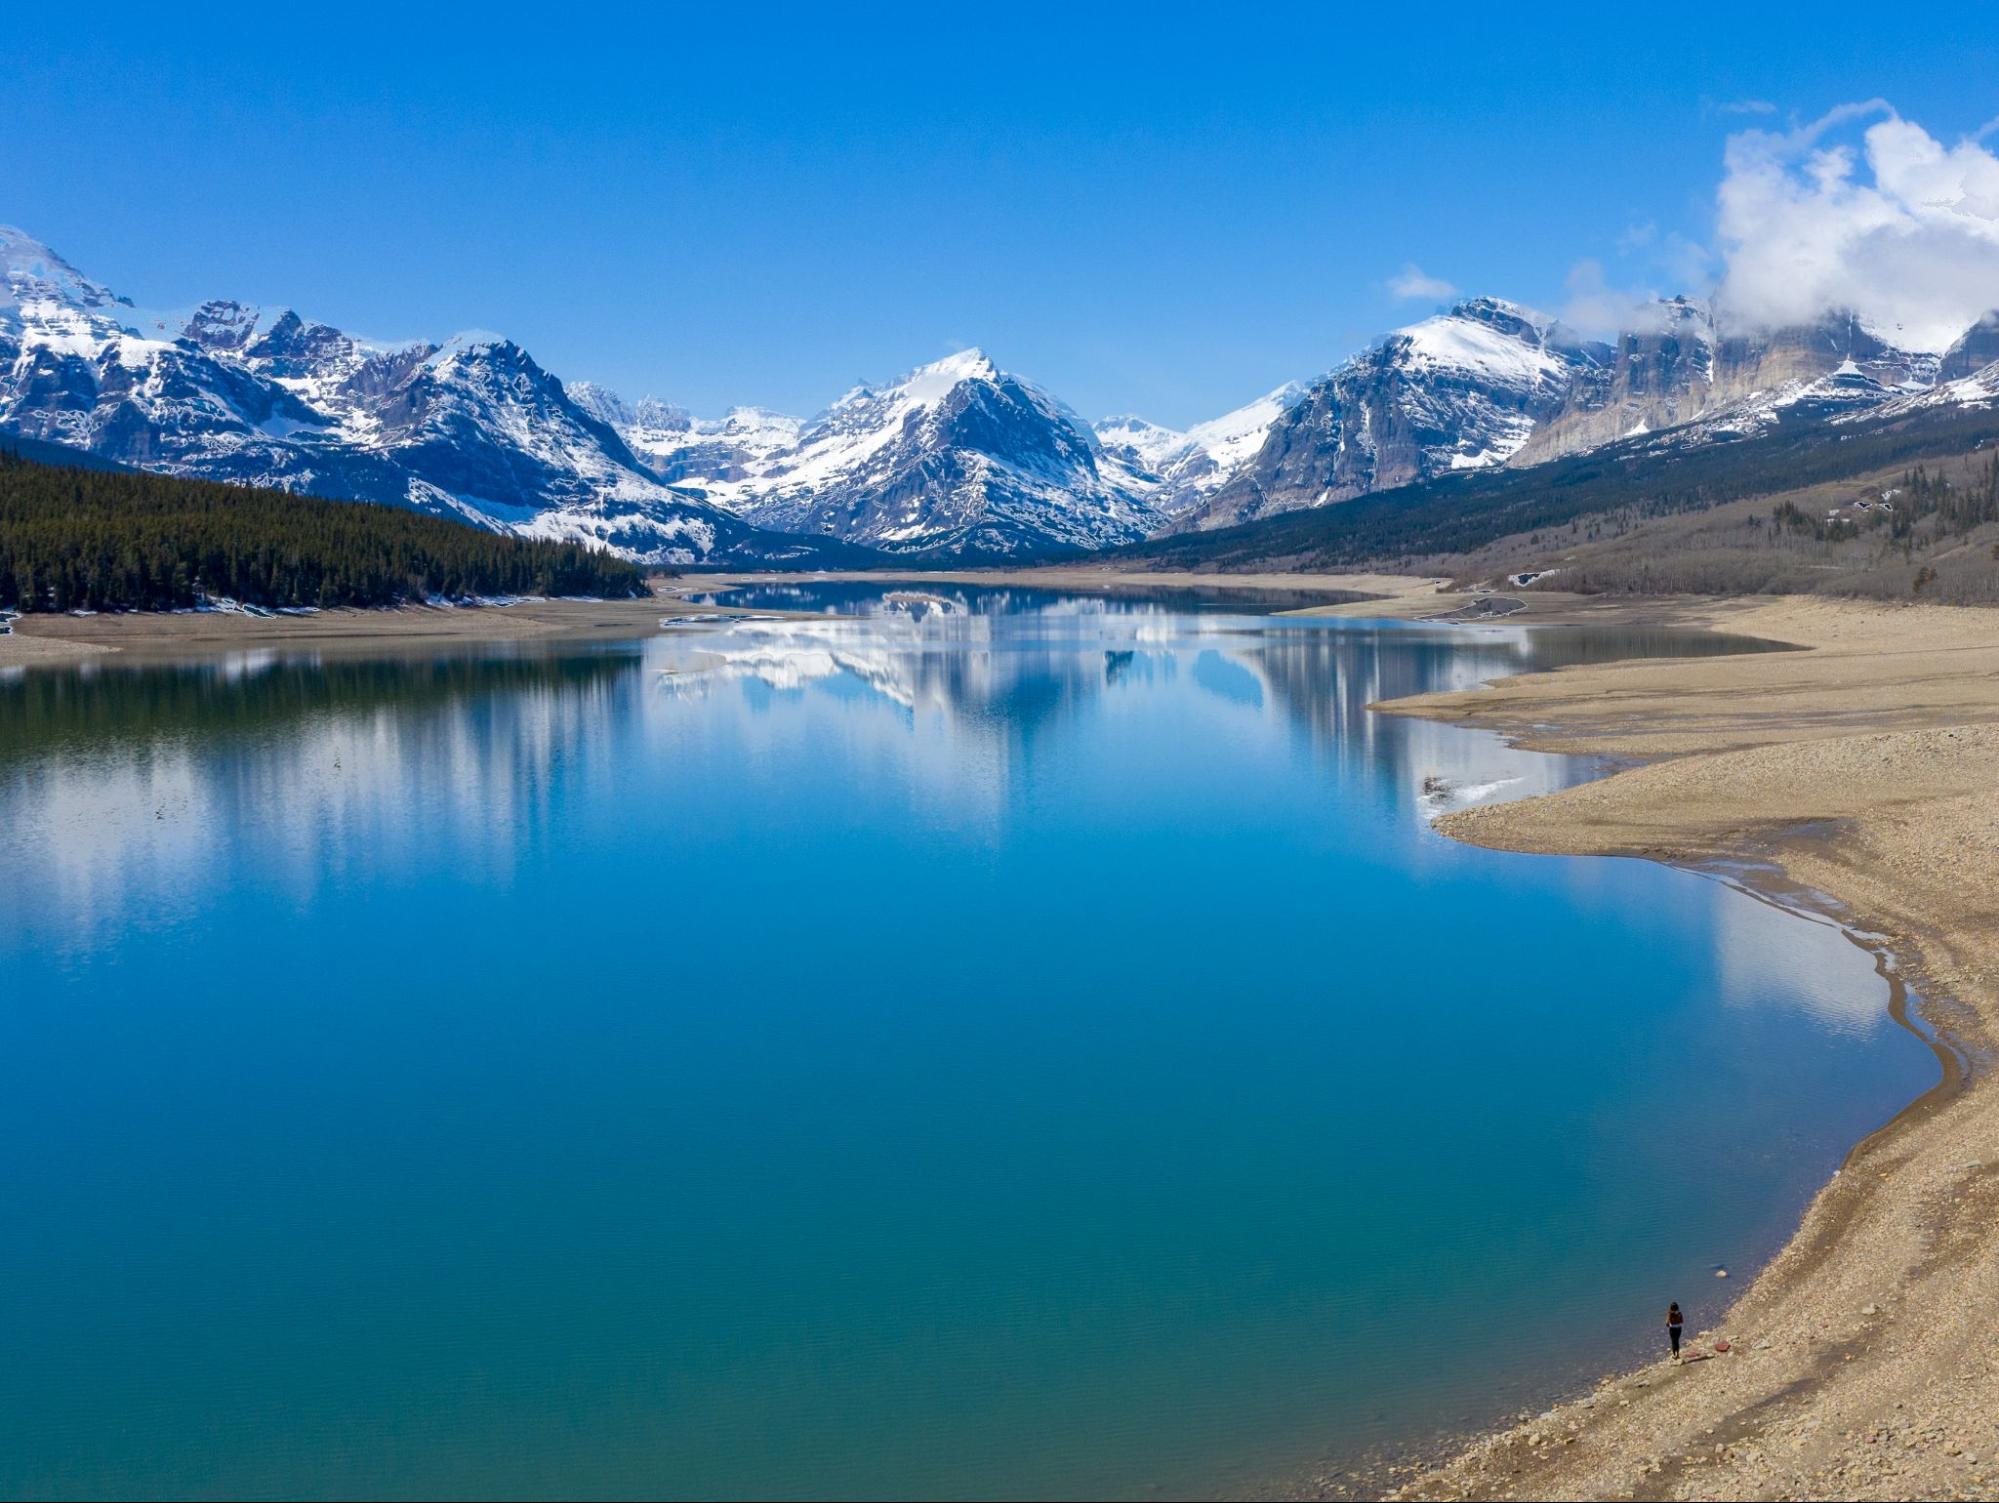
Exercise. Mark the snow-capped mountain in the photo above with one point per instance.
(675, 445)
(956, 458)
(1189, 466)
(472, 428)
(1490, 383)
(1462, 390)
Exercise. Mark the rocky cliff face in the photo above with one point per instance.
(1678, 368)
(1653, 377)
(1975, 350)
(1463, 390)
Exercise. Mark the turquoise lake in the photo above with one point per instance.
(1011, 1044)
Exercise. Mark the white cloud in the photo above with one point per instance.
(1688, 265)
(1636, 237)
(1413, 282)
(1745, 107)
(1596, 309)
(1902, 229)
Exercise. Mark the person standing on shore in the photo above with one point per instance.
(1674, 1321)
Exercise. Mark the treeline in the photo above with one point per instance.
(1957, 508)
(1950, 508)
(75, 539)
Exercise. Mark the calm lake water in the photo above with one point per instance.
(1008, 1045)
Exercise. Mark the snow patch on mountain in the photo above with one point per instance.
(1145, 446)
(1235, 436)
(1182, 469)
(34, 273)
(1488, 341)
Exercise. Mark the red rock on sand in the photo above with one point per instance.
(1723, 1346)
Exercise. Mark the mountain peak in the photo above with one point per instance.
(939, 376)
(971, 361)
(19, 249)
(601, 403)
(1233, 430)
(1130, 422)
(1510, 318)
(1485, 305)
(1677, 314)
(468, 340)
(222, 324)
(32, 270)
(1487, 336)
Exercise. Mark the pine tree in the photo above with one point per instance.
(114, 540)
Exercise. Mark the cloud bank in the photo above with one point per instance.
(1413, 282)
(1903, 230)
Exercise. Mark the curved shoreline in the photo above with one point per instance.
(1952, 1056)
(1851, 1367)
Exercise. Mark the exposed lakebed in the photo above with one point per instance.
(1010, 1044)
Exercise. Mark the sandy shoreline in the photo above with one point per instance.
(52, 640)
(1867, 769)
(1397, 595)
(49, 639)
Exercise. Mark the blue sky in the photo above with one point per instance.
(1165, 213)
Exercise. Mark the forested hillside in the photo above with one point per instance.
(1462, 515)
(76, 539)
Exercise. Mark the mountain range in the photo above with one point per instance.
(958, 459)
